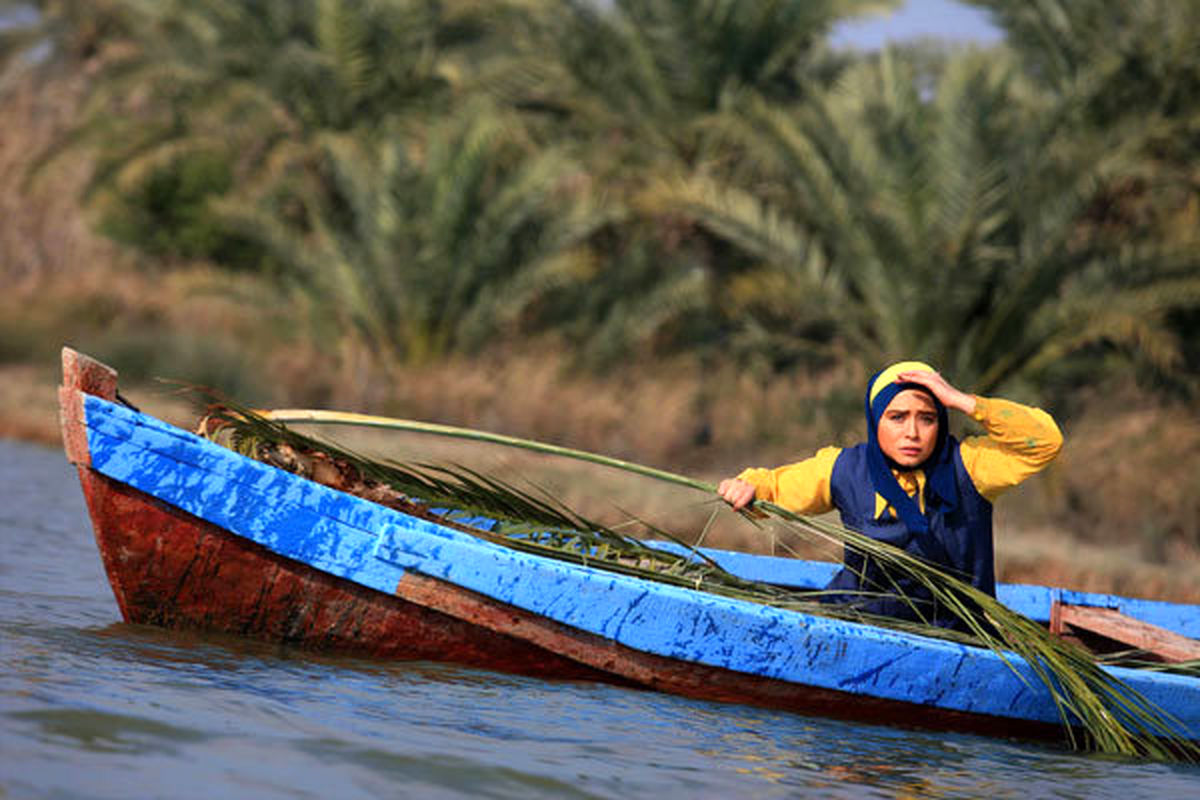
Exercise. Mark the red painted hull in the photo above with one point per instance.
(170, 569)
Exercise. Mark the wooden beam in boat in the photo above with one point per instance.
(1109, 622)
(81, 375)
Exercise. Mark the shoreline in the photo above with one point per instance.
(29, 406)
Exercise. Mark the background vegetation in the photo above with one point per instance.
(675, 231)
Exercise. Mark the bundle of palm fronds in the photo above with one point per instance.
(1113, 717)
(528, 520)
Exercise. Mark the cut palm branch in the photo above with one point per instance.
(530, 521)
(1113, 717)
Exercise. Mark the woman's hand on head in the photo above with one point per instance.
(737, 493)
(941, 389)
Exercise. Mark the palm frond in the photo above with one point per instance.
(1114, 717)
(526, 519)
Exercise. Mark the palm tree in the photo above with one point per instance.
(433, 244)
(633, 77)
(1125, 72)
(629, 86)
(251, 89)
(227, 99)
(1127, 75)
(935, 215)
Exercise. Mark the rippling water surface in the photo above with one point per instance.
(93, 708)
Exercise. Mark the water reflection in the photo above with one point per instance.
(106, 732)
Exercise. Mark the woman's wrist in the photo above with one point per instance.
(966, 404)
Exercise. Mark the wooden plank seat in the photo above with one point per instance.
(1112, 624)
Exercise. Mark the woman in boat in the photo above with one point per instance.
(913, 485)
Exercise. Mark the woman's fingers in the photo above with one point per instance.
(930, 380)
(738, 494)
(941, 388)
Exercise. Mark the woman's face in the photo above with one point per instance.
(908, 429)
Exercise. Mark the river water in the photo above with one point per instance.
(91, 707)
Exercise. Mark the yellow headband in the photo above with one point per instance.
(889, 375)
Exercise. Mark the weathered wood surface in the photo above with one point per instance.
(82, 376)
(1112, 624)
(167, 568)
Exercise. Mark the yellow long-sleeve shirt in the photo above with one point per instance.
(1020, 441)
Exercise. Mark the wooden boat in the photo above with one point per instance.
(194, 535)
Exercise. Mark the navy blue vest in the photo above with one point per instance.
(959, 540)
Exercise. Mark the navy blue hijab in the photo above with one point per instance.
(941, 489)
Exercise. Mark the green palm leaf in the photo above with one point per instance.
(1114, 717)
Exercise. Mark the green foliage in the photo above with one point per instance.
(946, 227)
(664, 176)
(1124, 79)
(423, 248)
(167, 214)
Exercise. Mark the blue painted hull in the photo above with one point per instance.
(603, 619)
